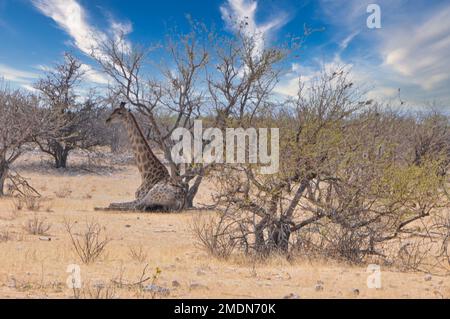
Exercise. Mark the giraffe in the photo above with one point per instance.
(157, 190)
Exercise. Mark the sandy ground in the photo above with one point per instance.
(32, 267)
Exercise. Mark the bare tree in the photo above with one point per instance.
(19, 123)
(72, 121)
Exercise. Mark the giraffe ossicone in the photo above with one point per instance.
(158, 191)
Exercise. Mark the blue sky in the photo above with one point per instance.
(410, 51)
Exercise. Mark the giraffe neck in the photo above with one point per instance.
(150, 168)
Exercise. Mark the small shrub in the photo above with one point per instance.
(137, 253)
(212, 234)
(95, 291)
(100, 291)
(90, 244)
(37, 226)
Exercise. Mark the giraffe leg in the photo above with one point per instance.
(133, 205)
(125, 206)
(163, 196)
(142, 191)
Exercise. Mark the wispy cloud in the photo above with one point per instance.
(383, 92)
(73, 19)
(289, 84)
(421, 52)
(90, 74)
(70, 16)
(15, 75)
(347, 40)
(93, 75)
(29, 87)
(42, 67)
(368, 79)
(242, 14)
(410, 51)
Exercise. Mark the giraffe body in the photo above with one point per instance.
(158, 191)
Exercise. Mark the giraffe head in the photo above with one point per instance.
(118, 114)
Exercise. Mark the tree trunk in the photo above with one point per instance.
(60, 155)
(260, 243)
(279, 237)
(3, 174)
(193, 191)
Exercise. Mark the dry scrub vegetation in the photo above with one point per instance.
(357, 183)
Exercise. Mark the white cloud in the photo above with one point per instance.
(242, 14)
(25, 78)
(288, 86)
(421, 52)
(346, 41)
(121, 28)
(29, 88)
(289, 83)
(364, 77)
(14, 75)
(382, 93)
(90, 74)
(410, 51)
(42, 67)
(72, 18)
(93, 75)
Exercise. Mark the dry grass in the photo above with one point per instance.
(31, 203)
(9, 215)
(63, 192)
(95, 291)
